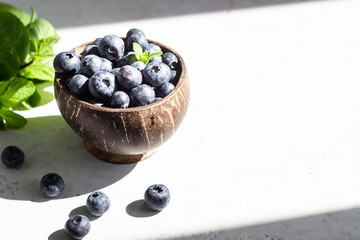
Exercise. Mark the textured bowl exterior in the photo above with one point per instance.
(130, 131)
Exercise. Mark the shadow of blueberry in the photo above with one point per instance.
(139, 209)
(82, 210)
(59, 235)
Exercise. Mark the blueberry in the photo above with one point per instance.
(111, 47)
(97, 41)
(142, 95)
(164, 89)
(120, 99)
(173, 75)
(134, 31)
(98, 203)
(102, 85)
(91, 64)
(138, 37)
(154, 48)
(170, 59)
(139, 65)
(77, 226)
(12, 156)
(78, 85)
(91, 49)
(67, 63)
(156, 74)
(52, 185)
(157, 197)
(126, 59)
(157, 99)
(129, 77)
(115, 70)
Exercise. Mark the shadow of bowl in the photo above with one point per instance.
(51, 146)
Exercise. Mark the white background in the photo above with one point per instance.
(269, 148)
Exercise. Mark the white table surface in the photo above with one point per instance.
(269, 148)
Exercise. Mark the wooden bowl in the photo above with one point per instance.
(126, 135)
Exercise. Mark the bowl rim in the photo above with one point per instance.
(182, 77)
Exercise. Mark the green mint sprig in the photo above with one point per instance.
(26, 56)
(144, 56)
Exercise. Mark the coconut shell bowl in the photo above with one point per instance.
(125, 135)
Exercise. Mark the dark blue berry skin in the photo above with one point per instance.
(120, 99)
(126, 59)
(134, 31)
(156, 74)
(164, 89)
(157, 197)
(98, 203)
(139, 65)
(142, 95)
(157, 99)
(12, 157)
(138, 38)
(91, 64)
(173, 75)
(115, 71)
(102, 85)
(97, 41)
(78, 85)
(154, 48)
(77, 226)
(111, 47)
(52, 185)
(91, 49)
(170, 59)
(129, 77)
(67, 63)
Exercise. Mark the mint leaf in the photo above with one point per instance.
(21, 15)
(40, 69)
(12, 119)
(154, 54)
(42, 36)
(15, 91)
(144, 56)
(40, 96)
(14, 45)
(138, 51)
(33, 15)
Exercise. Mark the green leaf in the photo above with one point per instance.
(33, 15)
(42, 36)
(40, 96)
(138, 50)
(15, 91)
(155, 54)
(14, 45)
(12, 119)
(145, 55)
(24, 17)
(40, 69)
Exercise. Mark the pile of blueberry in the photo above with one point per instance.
(156, 197)
(114, 73)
